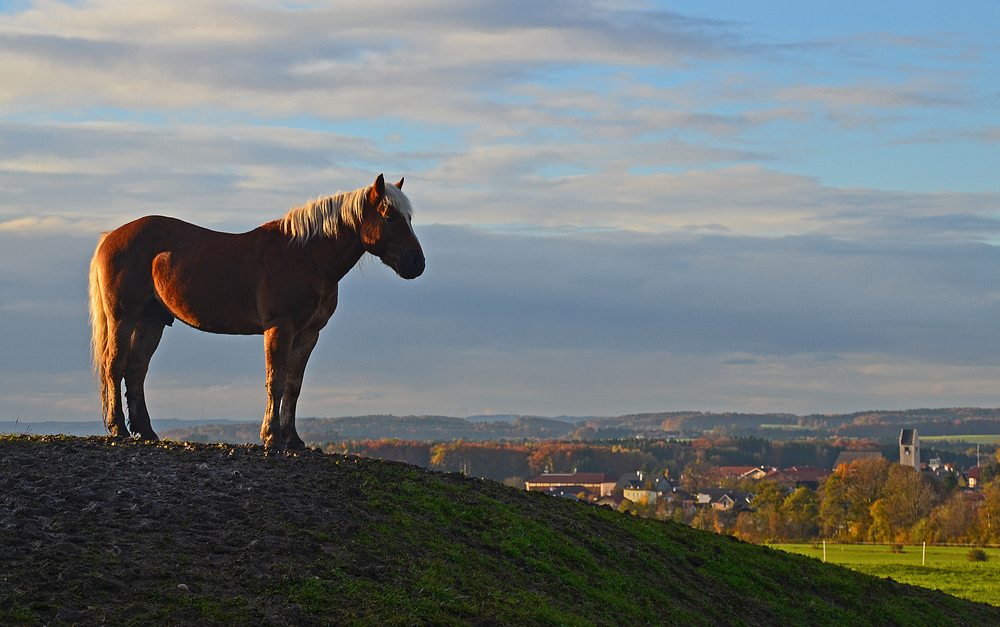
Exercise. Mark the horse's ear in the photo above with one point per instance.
(399, 185)
(378, 190)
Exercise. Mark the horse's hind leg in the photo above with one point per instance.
(119, 342)
(301, 349)
(145, 339)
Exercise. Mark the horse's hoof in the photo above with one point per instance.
(295, 444)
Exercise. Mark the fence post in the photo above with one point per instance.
(824, 550)
(923, 561)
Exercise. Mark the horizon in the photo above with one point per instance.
(96, 426)
(768, 208)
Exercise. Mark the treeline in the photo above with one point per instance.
(690, 459)
(425, 428)
(878, 425)
(514, 462)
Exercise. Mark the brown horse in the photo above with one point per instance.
(279, 280)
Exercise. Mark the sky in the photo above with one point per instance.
(625, 206)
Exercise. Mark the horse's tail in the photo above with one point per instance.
(99, 328)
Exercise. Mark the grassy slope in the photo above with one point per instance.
(366, 542)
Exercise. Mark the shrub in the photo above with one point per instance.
(895, 548)
(976, 555)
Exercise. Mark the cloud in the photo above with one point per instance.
(872, 95)
(622, 207)
(97, 175)
(333, 60)
(535, 323)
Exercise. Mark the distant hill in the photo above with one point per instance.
(427, 428)
(877, 425)
(98, 531)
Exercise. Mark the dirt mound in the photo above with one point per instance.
(97, 531)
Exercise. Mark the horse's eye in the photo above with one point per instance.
(389, 217)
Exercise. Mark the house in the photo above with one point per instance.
(641, 480)
(596, 483)
(680, 498)
(723, 499)
(640, 495)
(739, 472)
(799, 477)
(848, 457)
(575, 492)
(938, 470)
(973, 477)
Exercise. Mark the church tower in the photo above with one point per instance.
(909, 448)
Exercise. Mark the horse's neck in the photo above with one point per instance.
(337, 256)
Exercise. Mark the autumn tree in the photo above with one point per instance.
(909, 497)
(954, 520)
(848, 496)
(989, 515)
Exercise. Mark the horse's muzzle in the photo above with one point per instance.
(411, 264)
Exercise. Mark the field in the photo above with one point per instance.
(947, 568)
(970, 439)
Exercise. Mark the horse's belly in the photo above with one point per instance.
(206, 298)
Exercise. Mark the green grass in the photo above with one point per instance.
(970, 439)
(947, 567)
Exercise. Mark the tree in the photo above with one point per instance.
(952, 521)
(909, 497)
(989, 515)
(833, 509)
(801, 512)
(880, 529)
(848, 497)
(768, 498)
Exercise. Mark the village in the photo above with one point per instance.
(863, 497)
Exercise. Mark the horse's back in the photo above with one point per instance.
(193, 271)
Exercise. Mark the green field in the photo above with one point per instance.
(947, 568)
(971, 439)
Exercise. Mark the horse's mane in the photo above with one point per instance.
(327, 216)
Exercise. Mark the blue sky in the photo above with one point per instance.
(626, 206)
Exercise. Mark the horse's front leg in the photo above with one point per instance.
(301, 349)
(277, 349)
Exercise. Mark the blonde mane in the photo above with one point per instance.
(326, 216)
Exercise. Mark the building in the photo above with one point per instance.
(597, 483)
(849, 457)
(723, 499)
(640, 495)
(643, 480)
(909, 448)
(799, 477)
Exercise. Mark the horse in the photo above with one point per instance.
(278, 280)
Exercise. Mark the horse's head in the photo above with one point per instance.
(386, 231)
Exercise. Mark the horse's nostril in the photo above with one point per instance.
(412, 264)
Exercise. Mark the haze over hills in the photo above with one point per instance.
(877, 424)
